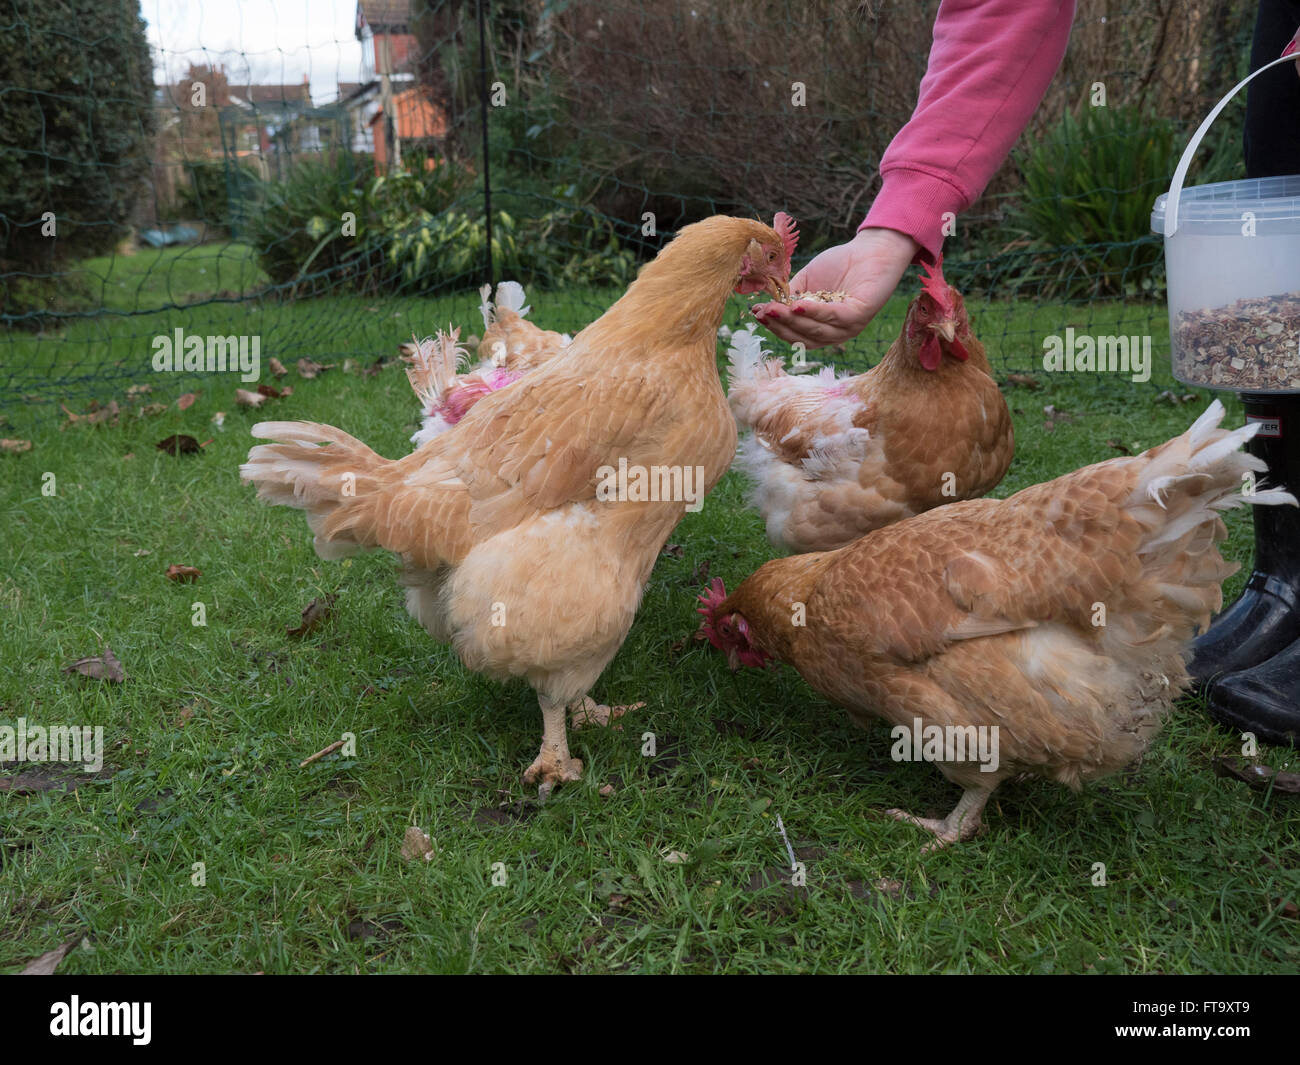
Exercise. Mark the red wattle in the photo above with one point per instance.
(957, 351)
(931, 354)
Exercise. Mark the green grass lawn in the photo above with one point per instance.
(301, 866)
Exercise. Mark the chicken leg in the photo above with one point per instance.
(553, 764)
(961, 824)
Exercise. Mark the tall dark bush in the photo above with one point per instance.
(76, 111)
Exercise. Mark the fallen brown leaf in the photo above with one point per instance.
(49, 961)
(15, 446)
(97, 415)
(183, 573)
(317, 611)
(179, 444)
(99, 667)
(417, 844)
(1024, 380)
(1258, 776)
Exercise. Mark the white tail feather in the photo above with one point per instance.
(747, 359)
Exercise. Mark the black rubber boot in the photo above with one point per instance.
(1264, 700)
(1265, 620)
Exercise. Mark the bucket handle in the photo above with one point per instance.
(1176, 185)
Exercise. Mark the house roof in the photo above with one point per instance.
(383, 16)
(262, 95)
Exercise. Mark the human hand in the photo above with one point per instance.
(868, 268)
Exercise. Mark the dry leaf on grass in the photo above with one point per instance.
(245, 398)
(308, 369)
(1258, 776)
(183, 573)
(1057, 417)
(49, 961)
(186, 401)
(99, 667)
(317, 611)
(15, 446)
(417, 844)
(179, 444)
(1024, 380)
(277, 367)
(97, 415)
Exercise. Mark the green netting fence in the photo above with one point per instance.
(581, 135)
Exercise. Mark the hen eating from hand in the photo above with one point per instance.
(528, 529)
(832, 458)
(1049, 628)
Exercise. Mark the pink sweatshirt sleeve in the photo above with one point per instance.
(989, 67)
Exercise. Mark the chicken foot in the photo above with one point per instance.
(553, 764)
(961, 824)
(586, 711)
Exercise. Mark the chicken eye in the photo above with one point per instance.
(771, 256)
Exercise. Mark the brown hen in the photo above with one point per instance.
(832, 458)
(1048, 629)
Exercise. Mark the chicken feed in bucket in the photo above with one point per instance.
(1232, 257)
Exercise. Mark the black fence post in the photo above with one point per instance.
(483, 109)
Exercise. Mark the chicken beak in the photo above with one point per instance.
(947, 329)
(778, 287)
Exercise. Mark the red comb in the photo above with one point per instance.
(716, 594)
(788, 230)
(935, 286)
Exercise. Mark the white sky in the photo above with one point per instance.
(258, 41)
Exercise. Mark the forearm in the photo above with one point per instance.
(989, 67)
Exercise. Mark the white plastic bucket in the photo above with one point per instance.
(1232, 259)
